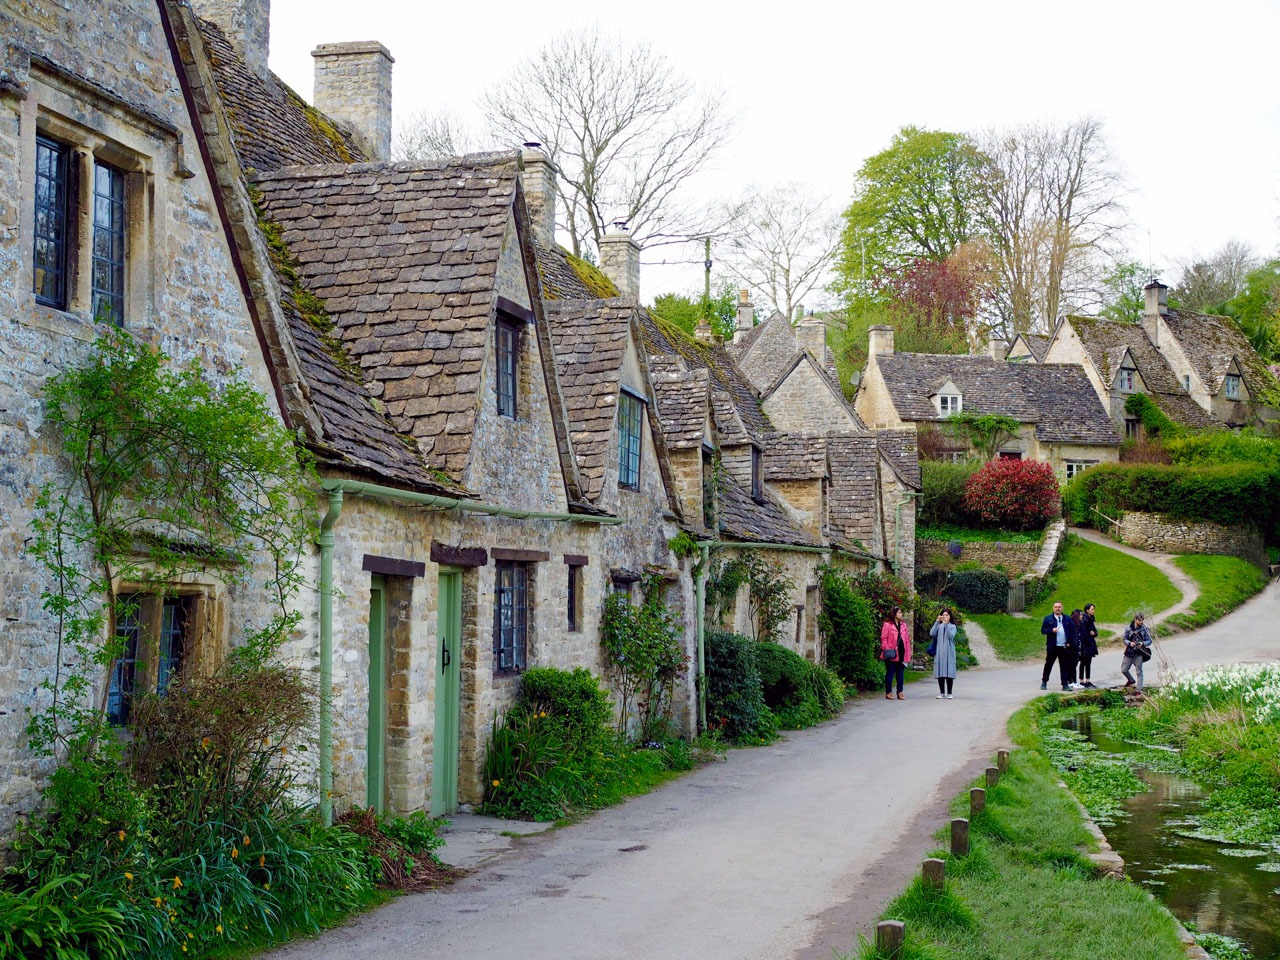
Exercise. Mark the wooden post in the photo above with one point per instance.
(993, 776)
(890, 935)
(1002, 761)
(960, 837)
(934, 873)
(977, 800)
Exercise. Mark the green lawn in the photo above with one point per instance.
(1225, 583)
(1115, 582)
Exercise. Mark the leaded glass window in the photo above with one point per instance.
(108, 244)
(630, 420)
(510, 616)
(52, 183)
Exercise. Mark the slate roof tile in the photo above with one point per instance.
(1210, 342)
(794, 456)
(681, 397)
(763, 522)
(855, 462)
(899, 448)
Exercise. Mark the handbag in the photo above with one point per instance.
(932, 649)
(889, 654)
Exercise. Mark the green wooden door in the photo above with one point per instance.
(376, 768)
(444, 754)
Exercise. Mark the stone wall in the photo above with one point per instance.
(804, 403)
(1153, 531)
(1014, 559)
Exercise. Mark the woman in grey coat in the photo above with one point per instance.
(943, 633)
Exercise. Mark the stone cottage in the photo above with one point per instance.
(1061, 421)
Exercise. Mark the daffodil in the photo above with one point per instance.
(177, 883)
(218, 929)
(234, 853)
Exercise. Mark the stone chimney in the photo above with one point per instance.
(811, 334)
(746, 315)
(353, 86)
(620, 259)
(1157, 295)
(247, 24)
(880, 340)
(997, 349)
(540, 192)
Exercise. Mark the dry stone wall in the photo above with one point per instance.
(1154, 531)
(1014, 559)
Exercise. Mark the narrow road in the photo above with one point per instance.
(784, 852)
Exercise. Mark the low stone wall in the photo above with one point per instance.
(1014, 559)
(1154, 531)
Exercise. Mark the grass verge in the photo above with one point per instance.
(1026, 891)
(1089, 573)
(1225, 583)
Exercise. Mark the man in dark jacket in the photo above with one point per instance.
(1059, 644)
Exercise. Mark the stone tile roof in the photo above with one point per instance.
(1107, 341)
(270, 124)
(766, 351)
(1037, 343)
(898, 447)
(763, 522)
(730, 430)
(590, 338)
(405, 257)
(1211, 342)
(561, 280)
(663, 339)
(794, 456)
(853, 499)
(681, 397)
(1058, 398)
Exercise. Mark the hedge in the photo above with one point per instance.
(1221, 493)
(735, 697)
(942, 487)
(979, 591)
(799, 693)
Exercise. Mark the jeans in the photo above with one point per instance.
(1132, 660)
(892, 668)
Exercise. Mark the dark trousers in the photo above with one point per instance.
(944, 684)
(1066, 658)
(894, 668)
(1086, 668)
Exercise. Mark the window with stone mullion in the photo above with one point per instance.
(52, 195)
(108, 244)
(630, 422)
(508, 353)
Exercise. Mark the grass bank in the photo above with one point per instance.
(1026, 890)
(1225, 583)
(1087, 573)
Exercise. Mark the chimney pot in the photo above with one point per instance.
(1157, 297)
(746, 315)
(353, 86)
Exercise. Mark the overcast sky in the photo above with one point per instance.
(1189, 91)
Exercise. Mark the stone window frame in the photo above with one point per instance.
(574, 592)
(757, 474)
(150, 668)
(506, 347)
(96, 127)
(631, 417)
(1231, 386)
(1132, 428)
(511, 641)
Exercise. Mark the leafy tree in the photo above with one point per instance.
(781, 241)
(917, 199)
(1122, 291)
(1256, 308)
(987, 432)
(624, 129)
(687, 310)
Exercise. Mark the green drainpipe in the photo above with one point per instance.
(325, 542)
(700, 596)
(337, 489)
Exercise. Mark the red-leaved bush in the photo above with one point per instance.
(1013, 494)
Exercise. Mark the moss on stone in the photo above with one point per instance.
(600, 286)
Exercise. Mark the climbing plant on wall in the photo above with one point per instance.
(769, 592)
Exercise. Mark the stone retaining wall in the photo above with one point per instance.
(1154, 531)
(1014, 559)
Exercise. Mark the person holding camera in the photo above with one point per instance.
(943, 651)
(1137, 649)
(895, 651)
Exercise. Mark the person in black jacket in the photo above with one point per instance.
(1059, 644)
(1088, 640)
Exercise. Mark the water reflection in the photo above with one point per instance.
(1211, 884)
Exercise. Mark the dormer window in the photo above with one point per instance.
(949, 403)
(757, 474)
(1231, 386)
(1126, 379)
(1186, 382)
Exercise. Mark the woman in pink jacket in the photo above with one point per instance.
(895, 651)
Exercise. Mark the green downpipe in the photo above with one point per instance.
(325, 541)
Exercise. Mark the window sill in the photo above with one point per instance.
(60, 323)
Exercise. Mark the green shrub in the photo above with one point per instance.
(1224, 446)
(942, 493)
(59, 920)
(1223, 493)
(798, 693)
(979, 591)
(849, 631)
(1154, 421)
(1014, 494)
(735, 698)
(573, 700)
(1037, 588)
(644, 648)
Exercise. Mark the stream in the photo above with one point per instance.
(1220, 888)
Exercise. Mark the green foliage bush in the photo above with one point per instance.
(979, 591)
(849, 631)
(798, 693)
(1154, 421)
(573, 702)
(1224, 446)
(1222, 493)
(60, 920)
(735, 697)
(643, 644)
(942, 493)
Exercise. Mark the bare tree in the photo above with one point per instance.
(426, 135)
(780, 242)
(623, 128)
(1054, 209)
(1206, 284)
